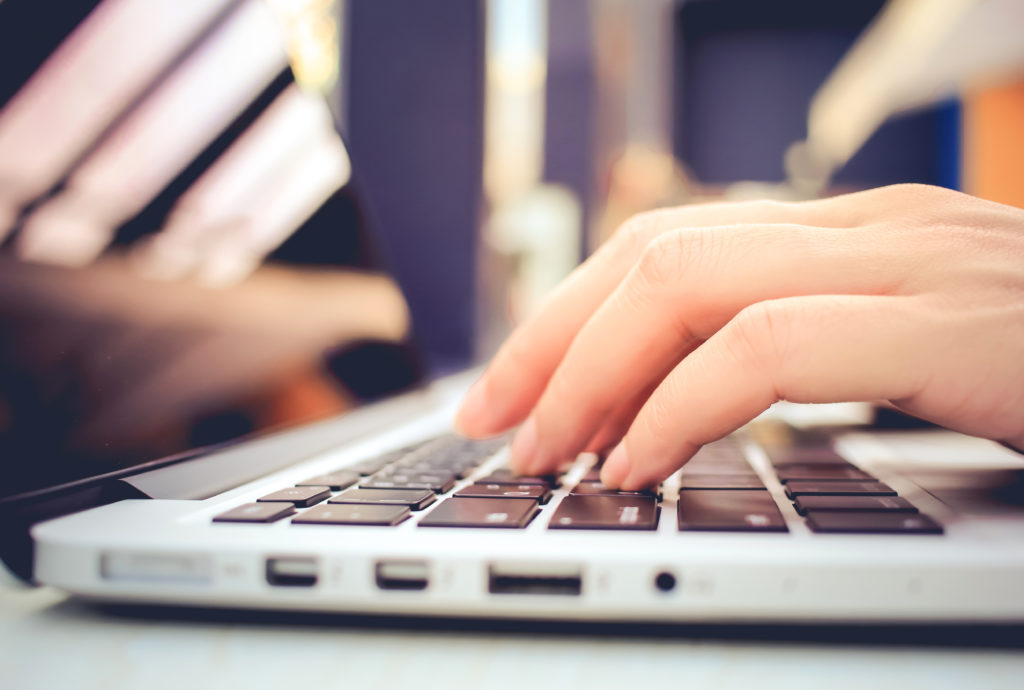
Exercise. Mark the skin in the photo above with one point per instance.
(691, 321)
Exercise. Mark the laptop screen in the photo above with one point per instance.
(185, 258)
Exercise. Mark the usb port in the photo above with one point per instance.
(526, 578)
(407, 575)
(292, 572)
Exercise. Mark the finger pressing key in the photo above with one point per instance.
(806, 349)
(686, 286)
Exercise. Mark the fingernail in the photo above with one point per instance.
(471, 414)
(616, 467)
(524, 447)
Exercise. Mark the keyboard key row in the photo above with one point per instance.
(836, 497)
(721, 481)
(440, 483)
(719, 491)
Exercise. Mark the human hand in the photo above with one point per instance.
(691, 321)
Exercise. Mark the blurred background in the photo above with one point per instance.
(223, 216)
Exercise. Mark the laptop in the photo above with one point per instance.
(193, 422)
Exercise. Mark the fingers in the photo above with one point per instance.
(521, 369)
(817, 349)
(686, 286)
(615, 426)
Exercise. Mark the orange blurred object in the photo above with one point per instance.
(305, 394)
(993, 160)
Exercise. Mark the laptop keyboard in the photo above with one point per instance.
(440, 483)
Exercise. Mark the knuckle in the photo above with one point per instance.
(675, 254)
(904, 189)
(660, 418)
(637, 232)
(916, 188)
(760, 334)
(899, 199)
(771, 208)
(660, 261)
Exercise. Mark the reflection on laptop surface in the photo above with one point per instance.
(186, 260)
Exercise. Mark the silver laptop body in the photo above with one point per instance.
(174, 552)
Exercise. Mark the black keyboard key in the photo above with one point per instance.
(430, 467)
(507, 476)
(351, 514)
(871, 523)
(406, 474)
(342, 479)
(599, 489)
(426, 442)
(824, 488)
(257, 512)
(415, 499)
(534, 491)
(736, 468)
(721, 481)
(459, 472)
(299, 496)
(394, 458)
(800, 473)
(740, 510)
(478, 451)
(375, 465)
(849, 503)
(435, 482)
(463, 472)
(724, 449)
(787, 455)
(423, 457)
(606, 512)
(451, 453)
(592, 475)
(507, 513)
(732, 456)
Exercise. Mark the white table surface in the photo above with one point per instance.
(48, 641)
